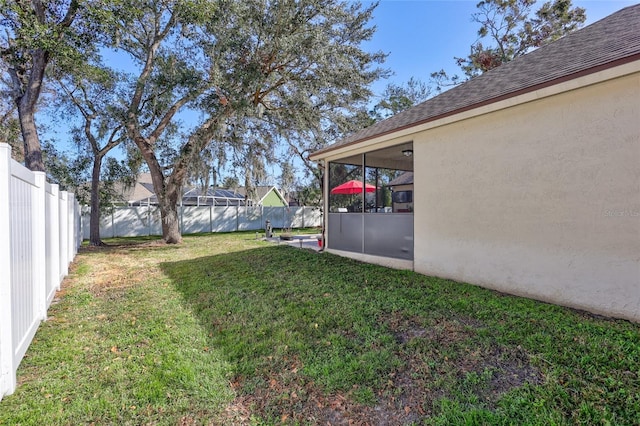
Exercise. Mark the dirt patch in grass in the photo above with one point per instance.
(410, 393)
(483, 372)
(112, 283)
(510, 368)
(303, 402)
(441, 331)
(112, 275)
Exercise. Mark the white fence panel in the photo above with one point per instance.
(8, 363)
(225, 219)
(146, 220)
(196, 219)
(276, 215)
(84, 220)
(72, 219)
(131, 221)
(25, 318)
(63, 212)
(312, 217)
(295, 217)
(107, 226)
(41, 233)
(250, 218)
(155, 226)
(52, 241)
(77, 220)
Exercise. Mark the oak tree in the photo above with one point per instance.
(88, 89)
(285, 67)
(398, 97)
(35, 33)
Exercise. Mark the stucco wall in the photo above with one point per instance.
(540, 199)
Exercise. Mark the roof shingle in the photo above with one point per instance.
(612, 41)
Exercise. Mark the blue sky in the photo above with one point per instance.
(423, 36)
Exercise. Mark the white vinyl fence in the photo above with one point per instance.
(145, 220)
(39, 237)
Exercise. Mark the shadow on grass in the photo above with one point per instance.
(301, 330)
(126, 245)
(155, 242)
(319, 338)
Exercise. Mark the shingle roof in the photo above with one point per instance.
(195, 192)
(609, 42)
(141, 190)
(404, 179)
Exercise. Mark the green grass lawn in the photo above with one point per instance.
(225, 329)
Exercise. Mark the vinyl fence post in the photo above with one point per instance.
(77, 227)
(71, 227)
(64, 234)
(181, 217)
(54, 244)
(7, 361)
(39, 254)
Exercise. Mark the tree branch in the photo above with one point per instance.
(70, 15)
(166, 118)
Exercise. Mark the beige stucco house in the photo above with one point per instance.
(526, 178)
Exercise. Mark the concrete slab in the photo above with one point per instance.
(308, 241)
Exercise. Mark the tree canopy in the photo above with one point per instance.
(249, 74)
(35, 33)
(398, 97)
(512, 28)
(88, 89)
(197, 84)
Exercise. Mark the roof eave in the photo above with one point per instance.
(321, 154)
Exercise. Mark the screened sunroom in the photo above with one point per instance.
(369, 203)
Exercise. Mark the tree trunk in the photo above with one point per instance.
(170, 223)
(32, 152)
(26, 101)
(94, 221)
(168, 195)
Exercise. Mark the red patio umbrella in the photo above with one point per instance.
(352, 187)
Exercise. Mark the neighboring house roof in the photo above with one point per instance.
(612, 41)
(262, 192)
(404, 179)
(143, 192)
(218, 196)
